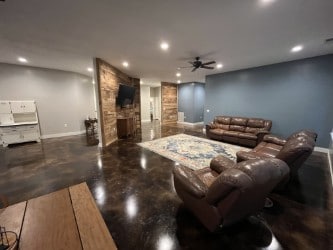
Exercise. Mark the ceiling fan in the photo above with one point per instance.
(199, 64)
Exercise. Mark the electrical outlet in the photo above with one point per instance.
(65, 125)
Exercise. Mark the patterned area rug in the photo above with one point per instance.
(191, 151)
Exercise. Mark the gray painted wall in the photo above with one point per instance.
(294, 95)
(191, 100)
(61, 97)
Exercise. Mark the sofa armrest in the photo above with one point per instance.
(211, 125)
(221, 163)
(260, 135)
(274, 139)
(189, 181)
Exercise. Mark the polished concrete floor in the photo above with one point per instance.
(134, 190)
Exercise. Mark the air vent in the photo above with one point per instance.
(329, 40)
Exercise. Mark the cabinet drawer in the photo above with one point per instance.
(12, 129)
(29, 128)
(18, 129)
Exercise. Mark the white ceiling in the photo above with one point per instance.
(66, 34)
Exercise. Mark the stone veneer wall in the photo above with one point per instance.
(108, 80)
(169, 103)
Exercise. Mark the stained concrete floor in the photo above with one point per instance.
(134, 191)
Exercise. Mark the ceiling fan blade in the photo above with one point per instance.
(190, 62)
(206, 67)
(207, 63)
(194, 69)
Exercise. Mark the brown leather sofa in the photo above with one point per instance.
(294, 150)
(239, 130)
(222, 196)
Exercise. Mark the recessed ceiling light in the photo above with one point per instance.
(90, 69)
(93, 82)
(125, 64)
(296, 48)
(219, 65)
(179, 81)
(178, 74)
(164, 46)
(22, 60)
(266, 1)
(141, 82)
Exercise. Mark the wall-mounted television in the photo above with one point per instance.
(125, 95)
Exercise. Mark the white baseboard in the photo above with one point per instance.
(320, 149)
(190, 124)
(62, 134)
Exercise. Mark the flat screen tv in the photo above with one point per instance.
(125, 95)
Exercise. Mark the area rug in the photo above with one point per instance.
(191, 151)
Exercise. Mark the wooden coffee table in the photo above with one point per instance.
(66, 219)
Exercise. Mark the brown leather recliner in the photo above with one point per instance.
(294, 150)
(221, 199)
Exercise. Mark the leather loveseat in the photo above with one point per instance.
(219, 197)
(239, 130)
(294, 150)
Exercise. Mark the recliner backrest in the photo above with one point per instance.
(241, 190)
(295, 151)
(304, 133)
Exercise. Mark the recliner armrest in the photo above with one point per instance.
(221, 163)
(274, 139)
(189, 181)
(244, 156)
(227, 182)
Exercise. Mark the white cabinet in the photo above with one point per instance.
(4, 107)
(18, 134)
(23, 106)
(18, 122)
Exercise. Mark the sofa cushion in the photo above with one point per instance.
(251, 130)
(241, 121)
(247, 136)
(256, 123)
(222, 126)
(231, 133)
(237, 128)
(217, 131)
(223, 120)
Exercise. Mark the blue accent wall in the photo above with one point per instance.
(191, 101)
(294, 95)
